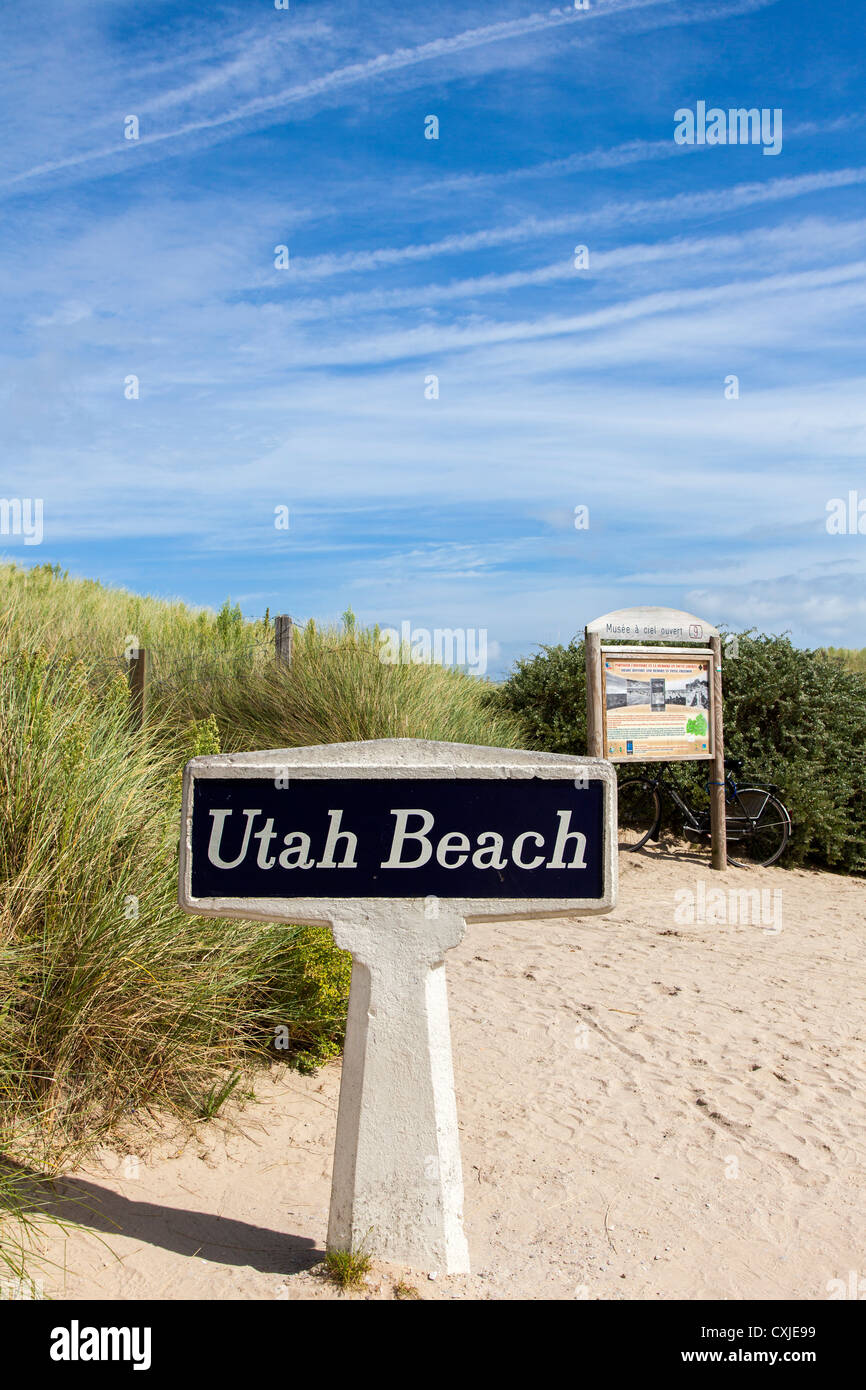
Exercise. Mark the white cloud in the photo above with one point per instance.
(248, 62)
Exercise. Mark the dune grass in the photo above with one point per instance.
(347, 1268)
(851, 658)
(113, 1002)
(205, 664)
(336, 690)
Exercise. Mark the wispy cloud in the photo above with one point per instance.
(779, 242)
(439, 340)
(711, 203)
(349, 75)
(617, 157)
(415, 261)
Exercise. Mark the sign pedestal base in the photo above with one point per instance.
(330, 835)
(397, 1187)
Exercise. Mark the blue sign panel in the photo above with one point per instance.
(397, 838)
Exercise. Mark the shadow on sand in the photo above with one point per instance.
(667, 849)
(221, 1239)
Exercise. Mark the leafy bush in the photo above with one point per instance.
(796, 718)
(548, 693)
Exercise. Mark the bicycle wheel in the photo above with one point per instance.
(638, 811)
(757, 828)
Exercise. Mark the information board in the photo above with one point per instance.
(656, 706)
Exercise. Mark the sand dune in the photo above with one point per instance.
(649, 1109)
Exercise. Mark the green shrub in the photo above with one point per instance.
(799, 719)
(310, 986)
(796, 718)
(548, 693)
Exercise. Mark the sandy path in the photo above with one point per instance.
(648, 1109)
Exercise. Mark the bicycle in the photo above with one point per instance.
(757, 824)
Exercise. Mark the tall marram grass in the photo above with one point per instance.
(336, 690)
(204, 664)
(113, 1000)
(114, 1003)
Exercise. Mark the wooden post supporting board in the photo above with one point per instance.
(717, 787)
(594, 711)
(645, 703)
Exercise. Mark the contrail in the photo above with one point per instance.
(401, 58)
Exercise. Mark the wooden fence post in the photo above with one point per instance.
(717, 787)
(594, 712)
(283, 638)
(138, 672)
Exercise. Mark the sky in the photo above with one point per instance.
(467, 424)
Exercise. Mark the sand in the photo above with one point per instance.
(650, 1108)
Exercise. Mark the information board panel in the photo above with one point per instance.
(657, 705)
(378, 837)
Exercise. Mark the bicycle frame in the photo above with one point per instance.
(744, 817)
(699, 822)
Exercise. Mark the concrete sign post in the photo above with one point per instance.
(395, 845)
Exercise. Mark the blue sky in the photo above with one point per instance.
(559, 387)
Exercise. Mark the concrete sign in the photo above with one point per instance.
(396, 844)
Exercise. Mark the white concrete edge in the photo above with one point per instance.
(239, 766)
